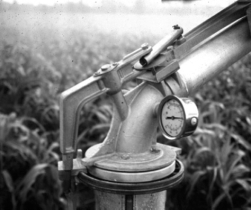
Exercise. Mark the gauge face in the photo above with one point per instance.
(172, 118)
(178, 117)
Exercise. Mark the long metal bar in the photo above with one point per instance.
(71, 102)
(160, 46)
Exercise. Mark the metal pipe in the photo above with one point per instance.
(214, 56)
(106, 200)
(138, 132)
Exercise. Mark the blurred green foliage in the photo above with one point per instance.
(217, 156)
(36, 66)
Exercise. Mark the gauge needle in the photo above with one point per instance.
(173, 118)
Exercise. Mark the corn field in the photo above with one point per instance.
(39, 60)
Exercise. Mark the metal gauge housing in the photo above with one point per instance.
(178, 117)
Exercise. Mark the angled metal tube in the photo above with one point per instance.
(161, 45)
(138, 132)
(213, 57)
(214, 24)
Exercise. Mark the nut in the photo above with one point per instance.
(105, 67)
(144, 46)
(194, 121)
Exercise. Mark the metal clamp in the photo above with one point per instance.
(161, 62)
(135, 188)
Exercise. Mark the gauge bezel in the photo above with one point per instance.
(189, 111)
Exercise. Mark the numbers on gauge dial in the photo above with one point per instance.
(172, 117)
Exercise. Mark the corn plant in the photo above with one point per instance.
(28, 167)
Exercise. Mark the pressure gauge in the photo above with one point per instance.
(178, 117)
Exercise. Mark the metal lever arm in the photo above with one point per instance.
(71, 102)
(103, 81)
(161, 46)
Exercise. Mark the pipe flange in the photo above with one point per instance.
(132, 177)
(134, 188)
(154, 164)
(156, 158)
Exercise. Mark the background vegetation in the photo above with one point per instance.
(39, 59)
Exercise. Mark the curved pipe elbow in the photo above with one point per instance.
(139, 131)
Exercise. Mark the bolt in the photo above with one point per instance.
(194, 121)
(169, 48)
(125, 156)
(154, 149)
(105, 67)
(176, 26)
(144, 46)
(79, 154)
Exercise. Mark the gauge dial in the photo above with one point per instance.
(172, 117)
(178, 117)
